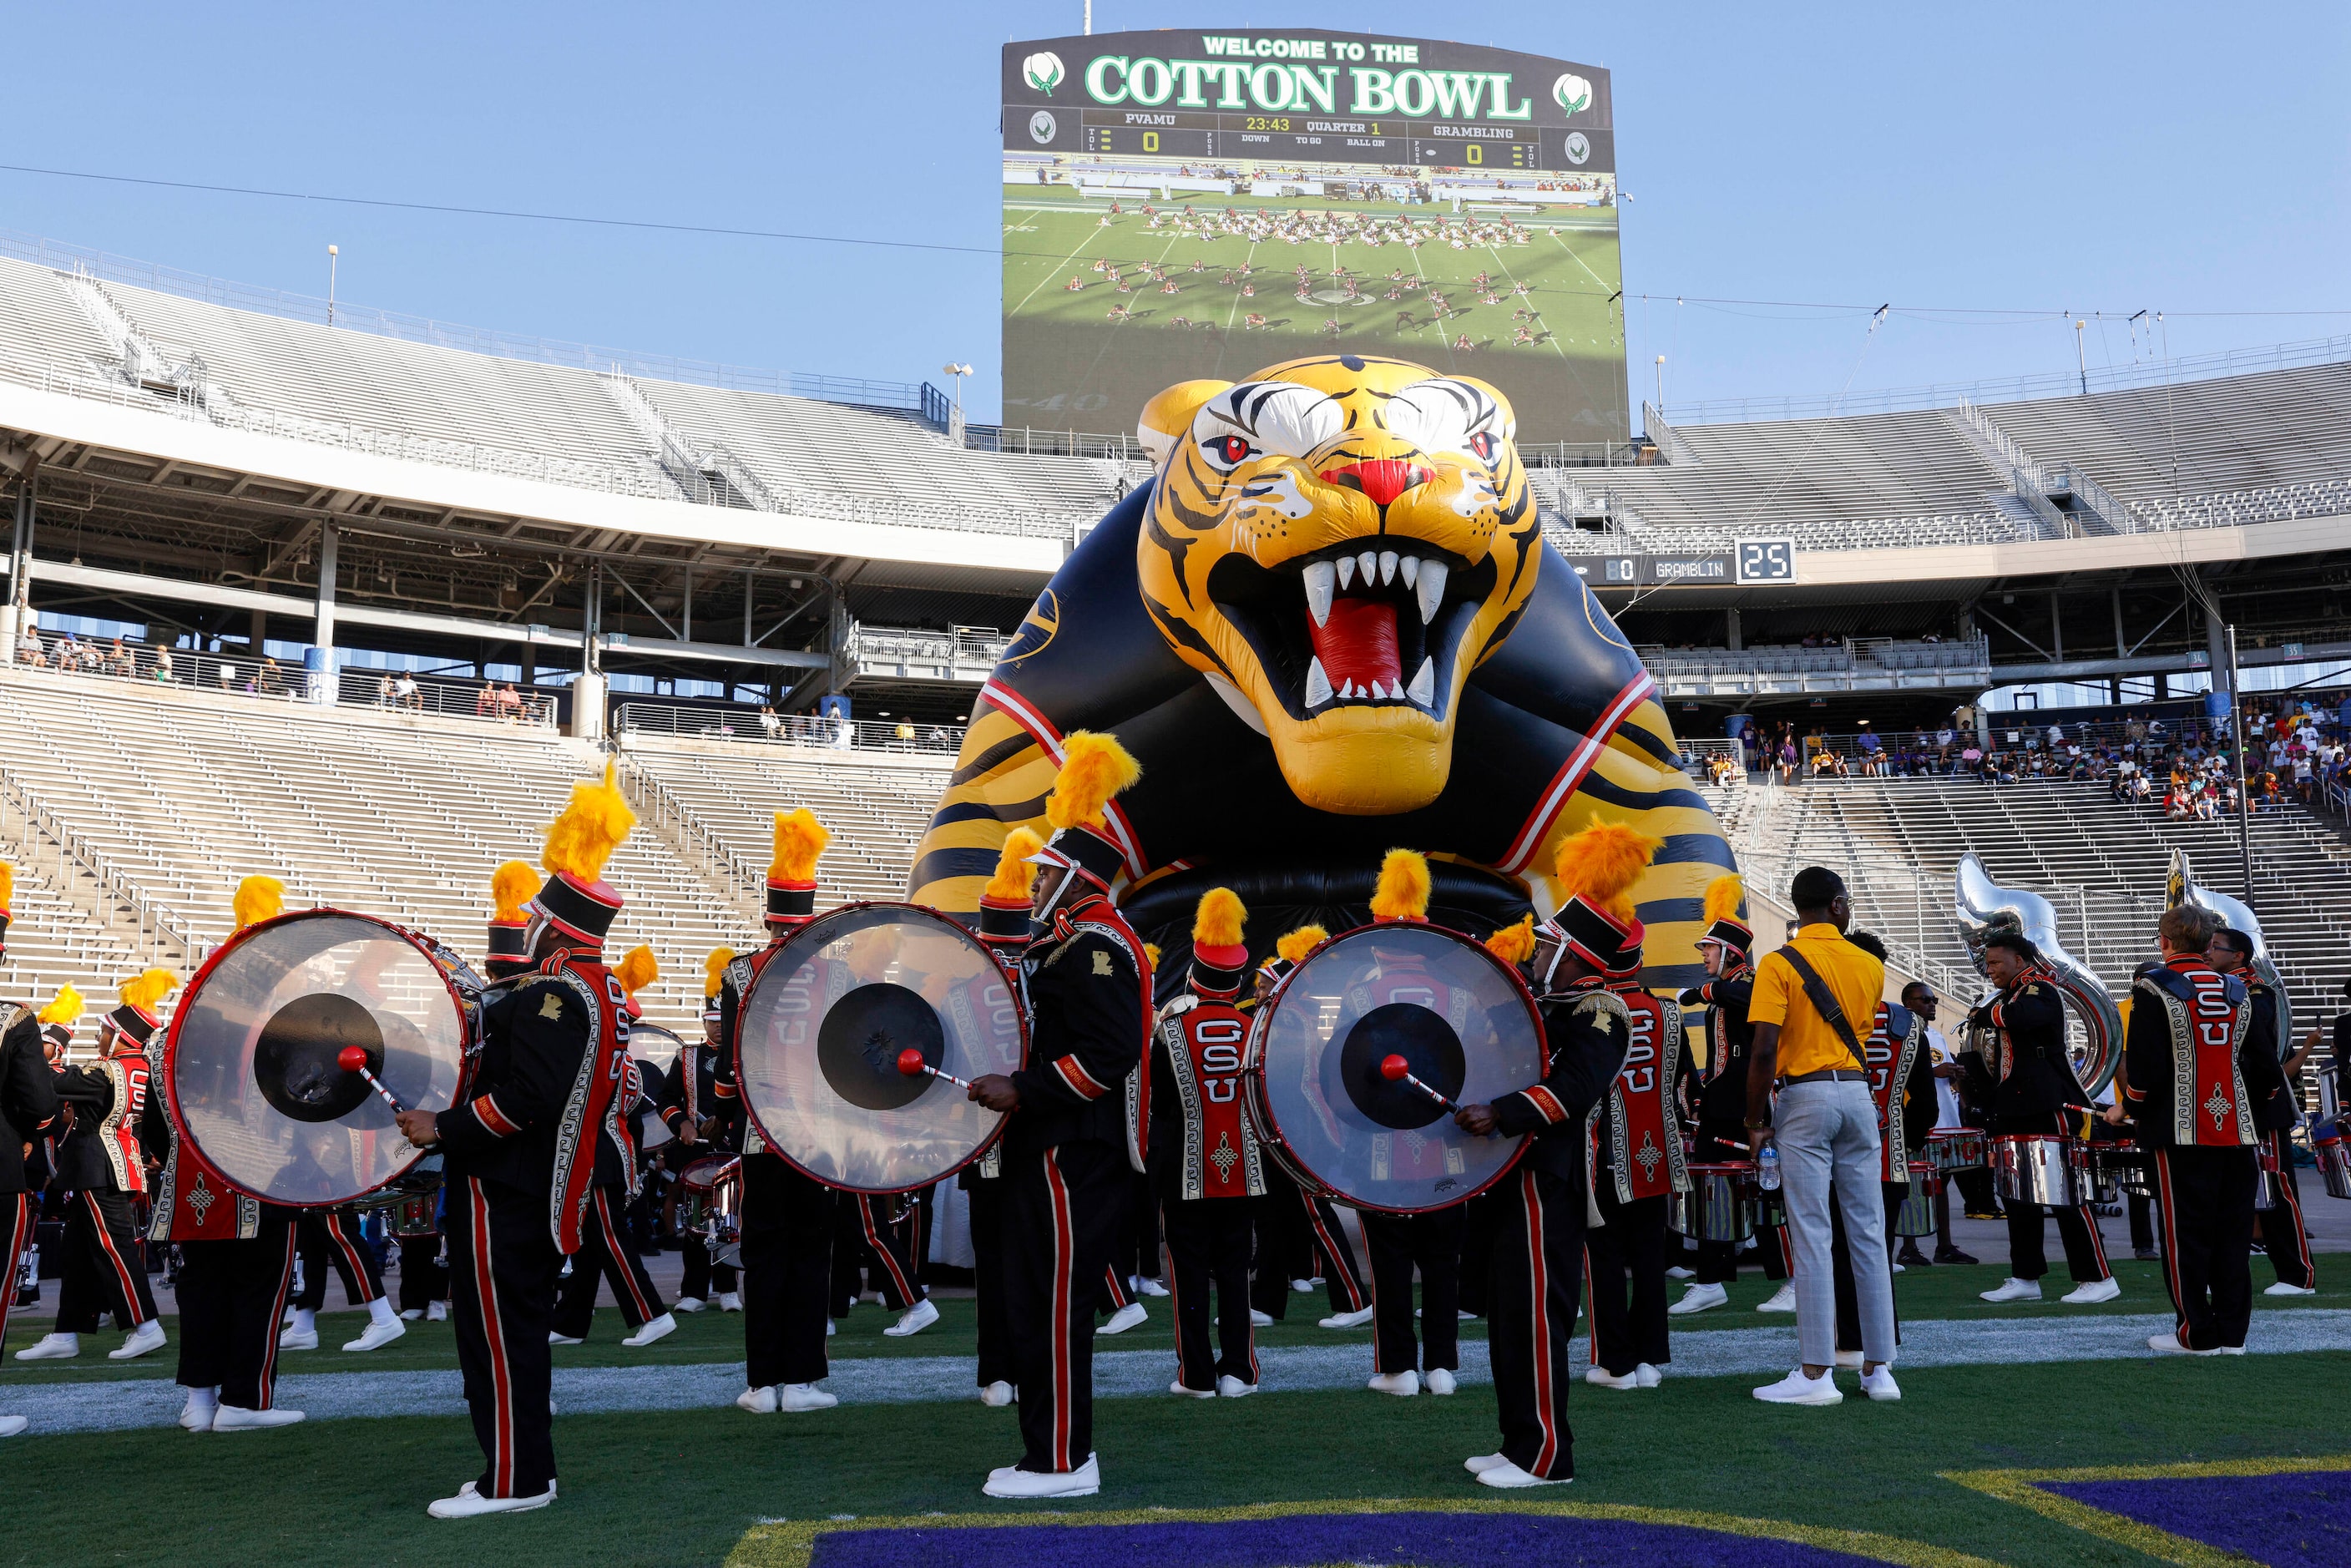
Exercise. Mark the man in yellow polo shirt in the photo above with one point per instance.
(1816, 1001)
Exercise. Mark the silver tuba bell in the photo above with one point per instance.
(1984, 907)
(2181, 887)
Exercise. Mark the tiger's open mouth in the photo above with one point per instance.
(1375, 623)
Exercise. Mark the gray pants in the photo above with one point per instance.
(1827, 1136)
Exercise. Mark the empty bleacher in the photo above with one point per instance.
(179, 794)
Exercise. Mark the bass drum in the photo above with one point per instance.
(250, 1073)
(1462, 1020)
(826, 1021)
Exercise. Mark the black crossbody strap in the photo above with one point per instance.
(1824, 1002)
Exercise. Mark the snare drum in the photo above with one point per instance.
(2120, 1168)
(1719, 1204)
(2266, 1175)
(417, 1213)
(710, 1192)
(1952, 1149)
(1915, 1215)
(2334, 1163)
(2051, 1172)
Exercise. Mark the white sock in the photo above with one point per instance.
(380, 1311)
(304, 1321)
(204, 1398)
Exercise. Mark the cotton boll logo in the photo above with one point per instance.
(1044, 72)
(1574, 93)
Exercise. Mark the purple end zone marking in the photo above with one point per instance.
(2295, 1519)
(1425, 1540)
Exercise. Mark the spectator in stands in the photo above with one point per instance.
(28, 647)
(228, 676)
(406, 693)
(486, 700)
(1871, 753)
(163, 662)
(769, 724)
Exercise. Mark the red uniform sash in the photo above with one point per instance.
(1890, 1061)
(2209, 1103)
(1643, 1126)
(193, 1203)
(1204, 1043)
(119, 1133)
(596, 1104)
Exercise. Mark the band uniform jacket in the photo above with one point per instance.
(689, 1096)
(555, 1046)
(2197, 1073)
(1902, 1082)
(1088, 984)
(1585, 1031)
(28, 1091)
(1200, 1143)
(1637, 1130)
(1721, 1098)
(2022, 1076)
(103, 1152)
(2277, 1112)
(727, 1070)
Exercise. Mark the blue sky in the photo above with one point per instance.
(2049, 158)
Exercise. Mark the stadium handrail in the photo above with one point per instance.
(803, 731)
(76, 854)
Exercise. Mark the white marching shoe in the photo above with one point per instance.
(920, 1316)
(1125, 1318)
(1184, 1390)
(996, 1394)
(411, 1314)
(1783, 1300)
(234, 1419)
(1014, 1482)
(383, 1328)
(1600, 1376)
(12, 1424)
(1145, 1285)
(687, 1305)
(553, 1338)
(1700, 1299)
(1849, 1358)
(146, 1337)
(1478, 1464)
(2092, 1293)
(661, 1327)
(1507, 1474)
(1648, 1374)
(2169, 1344)
(203, 1404)
(2015, 1289)
(1231, 1388)
(1678, 1272)
(757, 1401)
(1354, 1319)
(732, 1301)
(798, 1398)
(1797, 1389)
(436, 1311)
(301, 1331)
(1439, 1380)
(1258, 1320)
(2283, 1289)
(469, 1503)
(1404, 1385)
(52, 1347)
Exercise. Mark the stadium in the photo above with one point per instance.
(356, 600)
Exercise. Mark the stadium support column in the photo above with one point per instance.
(321, 658)
(18, 611)
(1731, 628)
(588, 691)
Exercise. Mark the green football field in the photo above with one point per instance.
(712, 1485)
(1094, 356)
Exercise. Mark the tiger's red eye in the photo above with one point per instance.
(1482, 444)
(1234, 448)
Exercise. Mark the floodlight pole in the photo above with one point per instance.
(1090, 18)
(2081, 358)
(1661, 384)
(334, 253)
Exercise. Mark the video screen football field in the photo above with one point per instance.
(1522, 300)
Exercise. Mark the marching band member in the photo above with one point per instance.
(28, 1104)
(103, 1165)
(1902, 1082)
(1204, 1162)
(1942, 1061)
(512, 887)
(520, 1158)
(329, 1240)
(1636, 1128)
(787, 1218)
(1727, 949)
(2284, 1238)
(2194, 1074)
(700, 1126)
(2025, 1084)
(608, 1250)
(236, 1260)
(1292, 1225)
(1400, 1243)
(1538, 1261)
(1089, 989)
(1004, 928)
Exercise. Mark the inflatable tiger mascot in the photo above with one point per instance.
(1330, 626)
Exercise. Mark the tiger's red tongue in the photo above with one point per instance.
(1358, 643)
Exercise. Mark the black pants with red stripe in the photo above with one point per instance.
(607, 1250)
(1208, 1241)
(1477, 1252)
(1062, 1212)
(329, 1239)
(424, 1277)
(1630, 1249)
(1537, 1276)
(996, 1364)
(1398, 1244)
(104, 1268)
(2283, 1234)
(1294, 1229)
(2207, 1195)
(2028, 1259)
(16, 1212)
(700, 1278)
(503, 1264)
(787, 1223)
(232, 1295)
(883, 1237)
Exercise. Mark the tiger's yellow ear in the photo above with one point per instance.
(1168, 416)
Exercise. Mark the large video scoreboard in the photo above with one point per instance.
(1180, 204)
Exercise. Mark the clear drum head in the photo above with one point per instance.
(1465, 1027)
(827, 1022)
(252, 1064)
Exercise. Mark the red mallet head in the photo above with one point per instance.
(1394, 1069)
(353, 1058)
(910, 1062)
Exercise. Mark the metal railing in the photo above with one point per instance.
(743, 878)
(969, 646)
(181, 668)
(754, 727)
(489, 701)
(72, 854)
